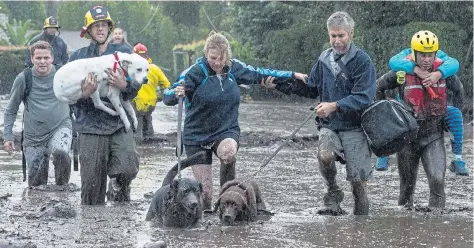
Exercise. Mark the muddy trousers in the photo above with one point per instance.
(100, 156)
(333, 198)
(37, 159)
(145, 125)
(351, 148)
(433, 158)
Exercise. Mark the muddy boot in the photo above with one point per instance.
(126, 192)
(115, 191)
(227, 172)
(62, 167)
(405, 199)
(437, 201)
(361, 202)
(332, 200)
(334, 196)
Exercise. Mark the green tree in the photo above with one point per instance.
(17, 33)
(185, 13)
(71, 14)
(27, 10)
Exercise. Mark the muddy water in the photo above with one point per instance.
(291, 186)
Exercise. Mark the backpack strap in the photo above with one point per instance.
(28, 82)
(343, 68)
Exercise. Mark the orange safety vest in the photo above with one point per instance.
(417, 97)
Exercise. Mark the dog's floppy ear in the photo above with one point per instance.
(174, 185)
(200, 188)
(251, 204)
(125, 63)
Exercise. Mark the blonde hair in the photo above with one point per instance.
(219, 42)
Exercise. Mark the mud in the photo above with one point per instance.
(291, 186)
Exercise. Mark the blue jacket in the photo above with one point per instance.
(399, 62)
(353, 88)
(212, 101)
(59, 49)
(89, 119)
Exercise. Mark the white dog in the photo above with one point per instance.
(68, 82)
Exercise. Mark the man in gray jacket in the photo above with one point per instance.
(47, 124)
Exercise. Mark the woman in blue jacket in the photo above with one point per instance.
(212, 99)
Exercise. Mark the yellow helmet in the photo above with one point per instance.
(424, 41)
(95, 14)
(50, 22)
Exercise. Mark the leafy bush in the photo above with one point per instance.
(12, 63)
(293, 49)
(16, 33)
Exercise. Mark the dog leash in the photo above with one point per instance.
(292, 135)
(265, 163)
(178, 133)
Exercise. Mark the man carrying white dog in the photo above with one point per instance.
(105, 148)
(47, 124)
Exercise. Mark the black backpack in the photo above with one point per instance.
(389, 126)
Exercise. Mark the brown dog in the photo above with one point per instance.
(239, 201)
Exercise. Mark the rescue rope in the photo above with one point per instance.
(265, 163)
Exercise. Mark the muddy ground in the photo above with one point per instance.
(291, 186)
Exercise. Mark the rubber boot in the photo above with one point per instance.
(361, 201)
(332, 200)
(118, 190)
(62, 167)
(227, 172)
(406, 195)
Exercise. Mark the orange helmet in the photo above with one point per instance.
(141, 49)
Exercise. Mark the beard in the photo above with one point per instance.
(341, 49)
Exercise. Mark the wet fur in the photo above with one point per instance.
(166, 206)
(239, 201)
(69, 78)
(197, 158)
(172, 205)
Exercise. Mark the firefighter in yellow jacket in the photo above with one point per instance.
(148, 95)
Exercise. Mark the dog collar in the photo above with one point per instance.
(117, 62)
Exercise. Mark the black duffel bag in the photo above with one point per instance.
(389, 126)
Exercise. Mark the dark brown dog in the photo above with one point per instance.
(239, 201)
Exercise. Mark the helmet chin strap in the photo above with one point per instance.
(96, 41)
